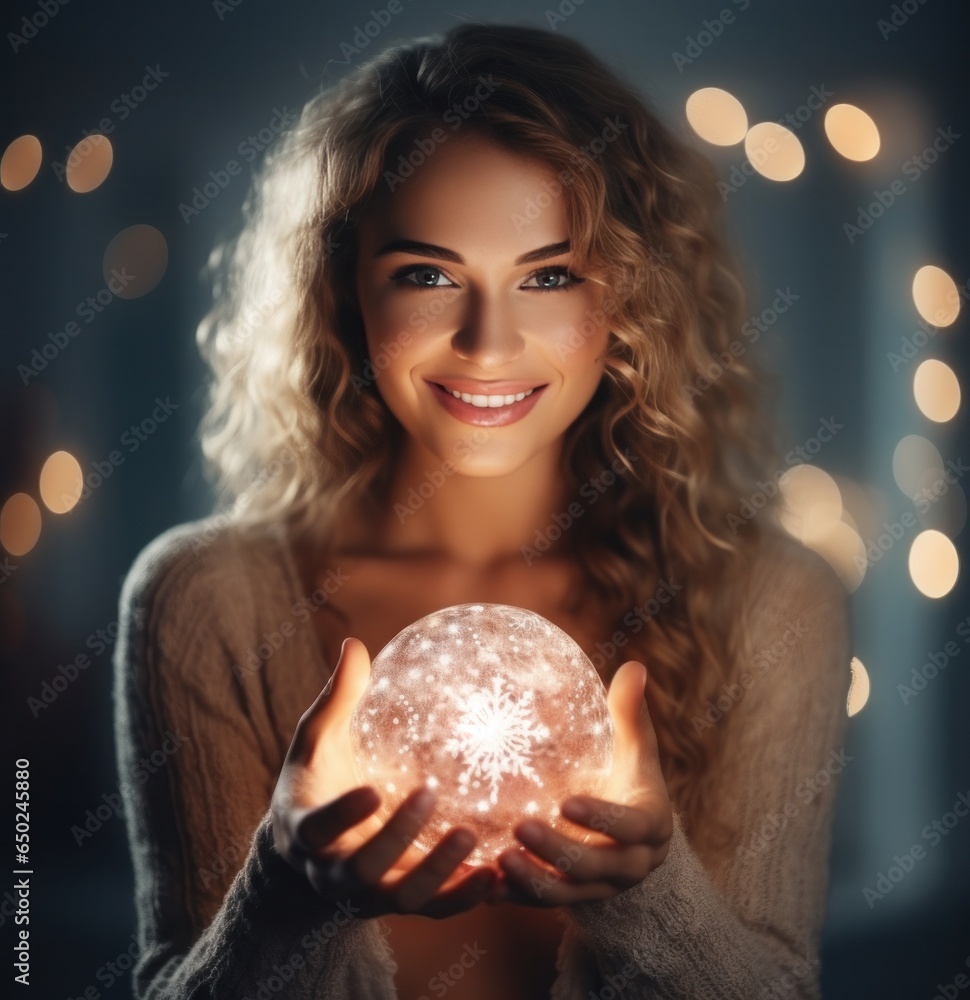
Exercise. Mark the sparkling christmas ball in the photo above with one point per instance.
(496, 709)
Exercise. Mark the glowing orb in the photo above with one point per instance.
(496, 709)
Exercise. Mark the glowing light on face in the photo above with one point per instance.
(496, 709)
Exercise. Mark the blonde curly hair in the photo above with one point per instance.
(293, 388)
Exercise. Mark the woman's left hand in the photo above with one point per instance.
(630, 826)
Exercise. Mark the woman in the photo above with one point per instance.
(460, 355)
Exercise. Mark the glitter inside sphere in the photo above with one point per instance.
(496, 709)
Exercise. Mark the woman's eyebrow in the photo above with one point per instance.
(443, 253)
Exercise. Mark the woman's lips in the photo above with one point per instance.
(485, 416)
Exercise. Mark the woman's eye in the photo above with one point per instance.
(555, 273)
(423, 272)
(426, 276)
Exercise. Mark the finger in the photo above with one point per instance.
(533, 884)
(625, 697)
(415, 890)
(374, 858)
(644, 822)
(468, 892)
(314, 829)
(621, 865)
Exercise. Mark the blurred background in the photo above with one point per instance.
(840, 135)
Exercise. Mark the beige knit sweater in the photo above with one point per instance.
(221, 915)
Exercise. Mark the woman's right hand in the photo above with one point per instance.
(324, 826)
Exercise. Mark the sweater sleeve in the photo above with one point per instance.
(220, 914)
(750, 926)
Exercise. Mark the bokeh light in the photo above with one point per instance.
(140, 253)
(717, 116)
(21, 162)
(774, 151)
(933, 564)
(913, 458)
(19, 524)
(935, 295)
(61, 482)
(936, 390)
(89, 163)
(852, 132)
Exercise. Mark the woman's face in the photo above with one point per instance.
(486, 307)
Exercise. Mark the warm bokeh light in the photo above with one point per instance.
(936, 390)
(774, 151)
(717, 116)
(913, 458)
(933, 564)
(21, 162)
(89, 163)
(19, 524)
(858, 687)
(852, 132)
(813, 503)
(61, 482)
(935, 295)
(139, 252)
(841, 546)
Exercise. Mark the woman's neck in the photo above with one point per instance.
(478, 522)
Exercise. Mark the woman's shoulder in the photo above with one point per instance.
(786, 573)
(209, 559)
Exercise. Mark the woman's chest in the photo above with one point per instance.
(377, 599)
(487, 952)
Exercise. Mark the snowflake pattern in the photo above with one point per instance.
(496, 735)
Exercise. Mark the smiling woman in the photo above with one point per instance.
(493, 347)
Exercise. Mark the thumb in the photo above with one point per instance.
(626, 702)
(340, 695)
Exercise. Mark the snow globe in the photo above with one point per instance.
(497, 710)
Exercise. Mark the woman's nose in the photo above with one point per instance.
(488, 337)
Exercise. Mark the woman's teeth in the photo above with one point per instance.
(485, 401)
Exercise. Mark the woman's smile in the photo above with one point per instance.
(483, 408)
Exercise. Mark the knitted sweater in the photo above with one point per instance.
(216, 661)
